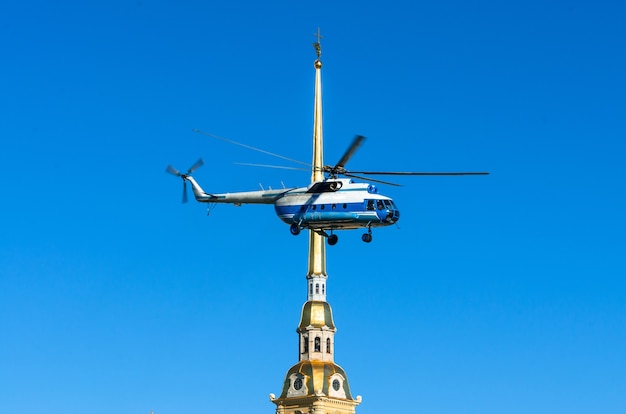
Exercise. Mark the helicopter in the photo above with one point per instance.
(324, 206)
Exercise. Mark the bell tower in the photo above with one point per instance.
(316, 385)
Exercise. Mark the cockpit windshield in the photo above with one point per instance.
(380, 204)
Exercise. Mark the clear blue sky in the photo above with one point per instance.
(499, 294)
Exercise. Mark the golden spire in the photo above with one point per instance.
(317, 247)
(316, 383)
(318, 155)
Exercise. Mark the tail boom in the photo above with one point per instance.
(237, 198)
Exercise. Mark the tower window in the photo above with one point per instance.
(306, 344)
(328, 345)
(318, 344)
(311, 289)
(317, 288)
(323, 289)
(336, 384)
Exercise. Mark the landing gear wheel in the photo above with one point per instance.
(332, 239)
(294, 229)
(367, 237)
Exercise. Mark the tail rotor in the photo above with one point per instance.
(184, 176)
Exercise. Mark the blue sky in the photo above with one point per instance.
(499, 294)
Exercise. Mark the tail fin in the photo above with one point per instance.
(198, 192)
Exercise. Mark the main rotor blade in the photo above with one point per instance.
(356, 143)
(194, 167)
(415, 173)
(272, 166)
(250, 147)
(373, 180)
(173, 171)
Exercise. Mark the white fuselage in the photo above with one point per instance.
(325, 205)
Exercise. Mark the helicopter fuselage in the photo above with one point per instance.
(337, 204)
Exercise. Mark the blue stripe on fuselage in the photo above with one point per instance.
(305, 215)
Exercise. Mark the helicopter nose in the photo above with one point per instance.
(393, 215)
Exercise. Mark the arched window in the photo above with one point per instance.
(323, 289)
(318, 344)
(317, 288)
(328, 345)
(305, 339)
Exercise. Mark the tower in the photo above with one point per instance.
(316, 385)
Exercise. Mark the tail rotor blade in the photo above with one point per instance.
(194, 167)
(185, 192)
(173, 171)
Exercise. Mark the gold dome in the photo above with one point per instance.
(319, 378)
(316, 314)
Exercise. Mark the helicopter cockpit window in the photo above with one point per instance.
(379, 204)
(387, 203)
(370, 205)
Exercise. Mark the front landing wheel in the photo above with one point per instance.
(367, 237)
(332, 239)
(294, 229)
